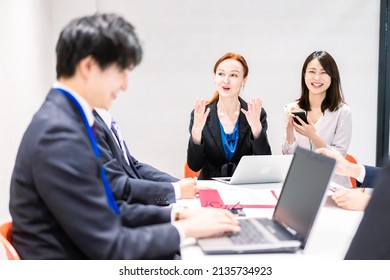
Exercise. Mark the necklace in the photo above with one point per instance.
(222, 112)
(228, 120)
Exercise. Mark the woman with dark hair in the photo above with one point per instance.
(329, 122)
(226, 128)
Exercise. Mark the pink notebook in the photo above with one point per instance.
(211, 198)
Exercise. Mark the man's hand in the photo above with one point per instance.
(207, 222)
(188, 187)
(351, 199)
(343, 167)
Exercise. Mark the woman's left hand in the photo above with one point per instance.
(308, 130)
(253, 116)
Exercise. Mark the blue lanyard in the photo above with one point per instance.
(110, 197)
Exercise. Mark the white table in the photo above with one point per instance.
(330, 236)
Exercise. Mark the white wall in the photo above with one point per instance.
(182, 39)
(25, 72)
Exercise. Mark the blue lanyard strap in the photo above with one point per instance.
(110, 197)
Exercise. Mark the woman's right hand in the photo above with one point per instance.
(200, 117)
(290, 122)
(290, 129)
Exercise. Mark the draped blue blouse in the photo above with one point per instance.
(229, 141)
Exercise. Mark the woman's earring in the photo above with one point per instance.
(242, 88)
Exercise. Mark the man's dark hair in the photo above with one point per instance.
(108, 38)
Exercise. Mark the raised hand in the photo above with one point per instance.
(200, 117)
(253, 116)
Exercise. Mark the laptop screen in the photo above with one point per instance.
(303, 191)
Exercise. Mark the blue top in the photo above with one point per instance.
(229, 141)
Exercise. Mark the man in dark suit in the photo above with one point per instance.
(130, 179)
(372, 238)
(60, 199)
(371, 241)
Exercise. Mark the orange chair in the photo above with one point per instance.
(189, 173)
(5, 239)
(352, 159)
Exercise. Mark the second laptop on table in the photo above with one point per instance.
(259, 169)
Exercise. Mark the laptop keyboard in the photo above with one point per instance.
(249, 234)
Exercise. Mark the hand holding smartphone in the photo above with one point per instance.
(300, 114)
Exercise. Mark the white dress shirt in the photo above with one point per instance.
(83, 103)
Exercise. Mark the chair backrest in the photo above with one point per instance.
(5, 239)
(352, 159)
(189, 173)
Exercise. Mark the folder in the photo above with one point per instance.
(211, 198)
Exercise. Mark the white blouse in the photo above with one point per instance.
(335, 128)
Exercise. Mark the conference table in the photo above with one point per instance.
(330, 236)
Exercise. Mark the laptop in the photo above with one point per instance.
(259, 169)
(302, 195)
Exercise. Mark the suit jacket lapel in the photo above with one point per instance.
(130, 168)
(116, 150)
(243, 126)
(215, 132)
(214, 128)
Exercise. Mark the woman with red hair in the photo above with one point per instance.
(226, 128)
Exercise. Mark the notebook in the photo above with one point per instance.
(302, 195)
(238, 198)
(259, 169)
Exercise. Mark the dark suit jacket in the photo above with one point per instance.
(210, 156)
(372, 239)
(58, 202)
(136, 182)
(372, 174)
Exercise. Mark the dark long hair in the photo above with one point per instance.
(234, 56)
(334, 96)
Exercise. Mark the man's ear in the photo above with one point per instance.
(85, 66)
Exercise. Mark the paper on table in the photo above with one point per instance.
(335, 185)
(249, 196)
(332, 187)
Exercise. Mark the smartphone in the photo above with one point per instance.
(302, 115)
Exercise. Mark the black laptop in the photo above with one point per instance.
(294, 215)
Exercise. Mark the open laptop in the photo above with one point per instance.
(302, 195)
(259, 169)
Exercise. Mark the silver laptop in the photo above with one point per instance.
(288, 230)
(259, 169)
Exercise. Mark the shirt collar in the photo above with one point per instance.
(83, 103)
(105, 115)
